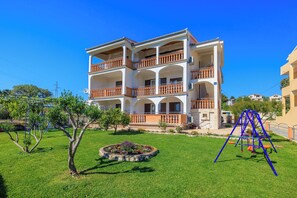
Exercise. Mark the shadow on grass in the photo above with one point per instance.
(42, 150)
(254, 157)
(2, 188)
(125, 132)
(102, 163)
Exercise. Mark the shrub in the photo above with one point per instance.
(162, 125)
(194, 133)
(171, 131)
(178, 129)
(228, 125)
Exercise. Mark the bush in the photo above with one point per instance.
(171, 131)
(141, 130)
(162, 125)
(178, 129)
(194, 133)
(228, 125)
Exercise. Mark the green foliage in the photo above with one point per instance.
(27, 141)
(224, 98)
(162, 125)
(284, 82)
(114, 117)
(7, 127)
(181, 158)
(30, 91)
(178, 129)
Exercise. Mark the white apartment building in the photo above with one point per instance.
(275, 97)
(256, 97)
(171, 78)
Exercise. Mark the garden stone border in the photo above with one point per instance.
(124, 157)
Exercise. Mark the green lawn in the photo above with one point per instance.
(183, 168)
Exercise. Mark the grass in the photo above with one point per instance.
(183, 168)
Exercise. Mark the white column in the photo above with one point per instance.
(123, 104)
(215, 64)
(157, 82)
(185, 48)
(185, 77)
(124, 81)
(90, 62)
(124, 54)
(89, 85)
(157, 55)
(132, 56)
(167, 107)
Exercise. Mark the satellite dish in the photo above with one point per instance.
(86, 91)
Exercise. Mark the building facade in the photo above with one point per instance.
(289, 93)
(275, 97)
(171, 78)
(256, 97)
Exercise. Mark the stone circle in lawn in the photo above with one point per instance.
(128, 151)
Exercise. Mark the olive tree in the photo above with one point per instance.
(113, 118)
(28, 111)
(73, 109)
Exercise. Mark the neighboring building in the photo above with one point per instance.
(256, 97)
(230, 102)
(275, 97)
(289, 93)
(171, 78)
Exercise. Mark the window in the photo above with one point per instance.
(149, 108)
(118, 83)
(163, 81)
(163, 108)
(174, 107)
(149, 83)
(118, 106)
(176, 80)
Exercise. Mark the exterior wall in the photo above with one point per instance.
(290, 91)
(211, 55)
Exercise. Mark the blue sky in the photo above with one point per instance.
(42, 42)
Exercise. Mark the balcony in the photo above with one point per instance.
(156, 118)
(202, 104)
(164, 59)
(110, 64)
(108, 92)
(144, 91)
(207, 72)
(170, 58)
(171, 89)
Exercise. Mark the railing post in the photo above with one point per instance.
(290, 133)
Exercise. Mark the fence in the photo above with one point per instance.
(283, 129)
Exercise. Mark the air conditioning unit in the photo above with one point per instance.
(190, 119)
(191, 60)
(191, 86)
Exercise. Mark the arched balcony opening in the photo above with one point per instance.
(203, 96)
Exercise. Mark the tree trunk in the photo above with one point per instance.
(71, 155)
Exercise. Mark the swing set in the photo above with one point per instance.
(253, 137)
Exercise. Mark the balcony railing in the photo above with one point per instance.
(144, 91)
(203, 73)
(117, 91)
(148, 62)
(171, 89)
(156, 118)
(110, 64)
(171, 58)
(202, 104)
(164, 59)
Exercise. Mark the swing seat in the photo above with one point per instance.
(231, 142)
(266, 146)
(250, 148)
